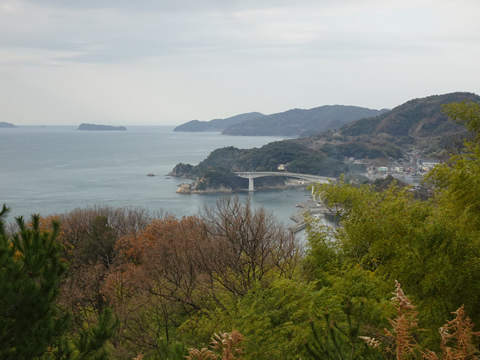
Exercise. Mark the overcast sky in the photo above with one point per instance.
(154, 62)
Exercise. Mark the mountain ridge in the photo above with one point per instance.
(301, 122)
(417, 127)
(416, 117)
(291, 123)
(216, 124)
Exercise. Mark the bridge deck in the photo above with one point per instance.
(254, 175)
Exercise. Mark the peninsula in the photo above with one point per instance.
(292, 123)
(217, 124)
(94, 127)
(404, 142)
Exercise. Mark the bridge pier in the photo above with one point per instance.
(250, 183)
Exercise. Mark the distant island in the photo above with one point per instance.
(94, 127)
(4, 124)
(292, 123)
(301, 122)
(217, 124)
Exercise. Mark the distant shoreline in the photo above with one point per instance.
(189, 188)
(95, 127)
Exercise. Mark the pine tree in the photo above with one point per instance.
(30, 274)
(32, 325)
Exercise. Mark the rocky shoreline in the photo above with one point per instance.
(186, 188)
(190, 188)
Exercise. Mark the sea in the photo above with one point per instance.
(54, 169)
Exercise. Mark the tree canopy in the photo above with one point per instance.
(119, 283)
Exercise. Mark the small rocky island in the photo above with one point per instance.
(94, 127)
(4, 124)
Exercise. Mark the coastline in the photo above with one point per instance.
(308, 208)
(189, 188)
(312, 209)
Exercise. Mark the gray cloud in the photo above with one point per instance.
(235, 55)
(183, 5)
(120, 30)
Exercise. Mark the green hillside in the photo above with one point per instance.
(417, 124)
(300, 122)
(417, 118)
(216, 124)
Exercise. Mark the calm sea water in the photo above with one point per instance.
(55, 169)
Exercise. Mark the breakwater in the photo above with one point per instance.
(308, 208)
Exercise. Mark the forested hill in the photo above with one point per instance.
(125, 283)
(216, 124)
(417, 118)
(216, 171)
(300, 122)
(294, 122)
(418, 124)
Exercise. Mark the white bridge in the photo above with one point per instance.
(253, 175)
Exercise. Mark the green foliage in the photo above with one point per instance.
(30, 275)
(365, 126)
(362, 149)
(317, 165)
(458, 180)
(274, 320)
(173, 350)
(297, 157)
(175, 283)
(399, 237)
(356, 150)
(322, 257)
(89, 344)
(218, 177)
(466, 113)
(99, 242)
(332, 151)
(338, 334)
(182, 169)
(349, 304)
(458, 207)
(217, 169)
(395, 236)
(32, 324)
(418, 124)
(221, 158)
(421, 117)
(299, 122)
